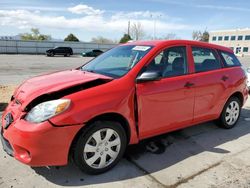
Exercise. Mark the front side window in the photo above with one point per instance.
(170, 62)
(214, 38)
(117, 61)
(229, 59)
(205, 59)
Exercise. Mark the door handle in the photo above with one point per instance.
(224, 78)
(189, 84)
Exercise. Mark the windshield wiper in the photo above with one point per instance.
(89, 70)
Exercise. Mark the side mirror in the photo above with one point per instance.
(148, 76)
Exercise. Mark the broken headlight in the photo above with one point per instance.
(46, 110)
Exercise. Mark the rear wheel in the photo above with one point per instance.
(101, 147)
(230, 114)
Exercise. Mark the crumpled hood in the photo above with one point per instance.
(49, 83)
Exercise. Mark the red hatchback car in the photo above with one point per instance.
(132, 92)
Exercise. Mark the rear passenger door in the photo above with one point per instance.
(211, 84)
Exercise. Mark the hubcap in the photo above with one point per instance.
(232, 113)
(102, 148)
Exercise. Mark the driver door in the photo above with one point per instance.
(166, 104)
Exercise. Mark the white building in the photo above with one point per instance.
(237, 39)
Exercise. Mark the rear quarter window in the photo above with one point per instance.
(229, 59)
(205, 59)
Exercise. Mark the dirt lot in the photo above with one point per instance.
(199, 156)
(5, 93)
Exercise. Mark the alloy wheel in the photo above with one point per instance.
(232, 113)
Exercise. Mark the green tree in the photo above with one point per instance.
(71, 37)
(201, 36)
(205, 36)
(125, 38)
(35, 35)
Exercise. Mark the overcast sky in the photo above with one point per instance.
(109, 18)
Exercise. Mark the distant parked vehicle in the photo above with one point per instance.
(66, 51)
(92, 53)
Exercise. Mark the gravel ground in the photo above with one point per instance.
(5, 94)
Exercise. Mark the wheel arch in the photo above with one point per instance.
(239, 95)
(108, 117)
(113, 117)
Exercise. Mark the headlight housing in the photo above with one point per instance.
(46, 110)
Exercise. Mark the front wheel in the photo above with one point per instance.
(100, 147)
(230, 114)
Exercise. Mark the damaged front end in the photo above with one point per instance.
(49, 105)
(46, 93)
(64, 92)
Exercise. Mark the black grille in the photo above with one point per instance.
(8, 120)
(6, 145)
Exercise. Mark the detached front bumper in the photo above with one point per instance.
(38, 144)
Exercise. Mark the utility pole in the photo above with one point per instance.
(129, 27)
(154, 27)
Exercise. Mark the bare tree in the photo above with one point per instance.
(197, 35)
(137, 32)
(170, 36)
(102, 40)
(201, 36)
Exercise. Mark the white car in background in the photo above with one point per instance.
(248, 80)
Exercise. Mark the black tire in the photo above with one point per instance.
(52, 54)
(86, 136)
(223, 122)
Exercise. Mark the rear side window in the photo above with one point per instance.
(205, 59)
(229, 59)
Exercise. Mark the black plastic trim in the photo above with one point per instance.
(6, 145)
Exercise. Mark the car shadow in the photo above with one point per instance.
(3, 106)
(156, 154)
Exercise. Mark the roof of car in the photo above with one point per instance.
(184, 42)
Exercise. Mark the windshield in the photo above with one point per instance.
(117, 61)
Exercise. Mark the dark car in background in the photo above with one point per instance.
(92, 53)
(66, 51)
